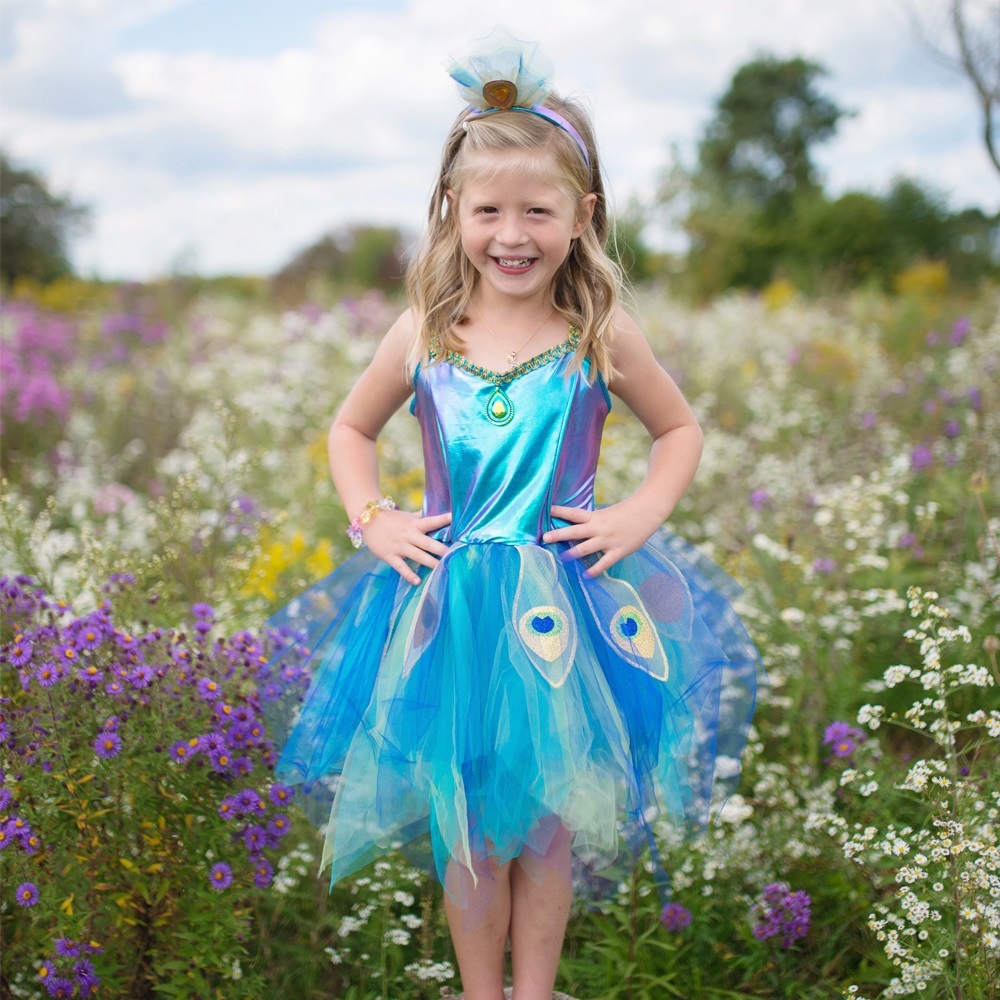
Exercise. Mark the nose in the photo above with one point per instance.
(510, 233)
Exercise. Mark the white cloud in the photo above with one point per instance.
(248, 158)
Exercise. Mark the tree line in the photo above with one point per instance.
(752, 208)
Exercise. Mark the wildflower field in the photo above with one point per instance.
(165, 487)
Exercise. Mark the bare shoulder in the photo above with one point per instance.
(630, 350)
(389, 361)
(401, 334)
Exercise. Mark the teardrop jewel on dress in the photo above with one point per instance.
(499, 408)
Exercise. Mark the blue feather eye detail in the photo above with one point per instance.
(631, 631)
(544, 631)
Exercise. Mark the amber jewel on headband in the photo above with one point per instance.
(504, 73)
(500, 94)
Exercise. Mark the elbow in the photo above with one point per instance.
(698, 438)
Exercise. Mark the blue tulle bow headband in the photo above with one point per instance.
(504, 73)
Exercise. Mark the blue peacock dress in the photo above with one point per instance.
(508, 688)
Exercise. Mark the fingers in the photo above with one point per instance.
(578, 529)
(432, 523)
(404, 570)
(585, 548)
(576, 514)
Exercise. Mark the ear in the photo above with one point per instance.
(452, 199)
(584, 213)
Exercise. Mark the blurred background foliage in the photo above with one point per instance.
(749, 211)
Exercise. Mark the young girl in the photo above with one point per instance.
(513, 675)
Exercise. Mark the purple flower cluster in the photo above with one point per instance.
(31, 363)
(81, 980)
(779, 912)
(675, 917)
(940, 409)
(138, 692)
(842, 738)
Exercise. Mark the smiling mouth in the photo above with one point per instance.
(515, 263)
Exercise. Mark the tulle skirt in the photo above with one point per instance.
(506, 696)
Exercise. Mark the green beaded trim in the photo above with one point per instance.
(502, 378)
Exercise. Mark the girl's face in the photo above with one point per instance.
(516, 226)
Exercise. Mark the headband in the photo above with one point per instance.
(503, 73)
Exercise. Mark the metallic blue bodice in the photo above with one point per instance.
(499, 481)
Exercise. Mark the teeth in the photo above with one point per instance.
(523, 262)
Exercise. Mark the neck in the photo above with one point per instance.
(512, 312)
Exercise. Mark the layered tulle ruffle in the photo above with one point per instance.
(506, 689)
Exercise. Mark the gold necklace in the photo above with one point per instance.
(513, 354)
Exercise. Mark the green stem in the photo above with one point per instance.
(632, 929)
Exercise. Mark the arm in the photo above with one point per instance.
(654, 398)
(392, 535)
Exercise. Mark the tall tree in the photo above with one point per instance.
(758, 147)
(35, 226)
(973, 48)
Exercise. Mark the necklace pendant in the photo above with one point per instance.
(499, 408)
(511, 356)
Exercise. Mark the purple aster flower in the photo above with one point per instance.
(271, 692)
(975, 397)
(108, 745)
(85, 973)
(67, 948)
(6, 836)
(60, 986)
(6, 799)
(759, 499)
(221, 876)
(959, 331)
(88, 637)
(779, 912)
(179, 654)
(251, 802)
(20, 652)
(203, 611)
(91, 674)
(47, 674)
(202, 627)
(952, 429)
(221, 759)
(114, 686)
(842, 738)
(27, 894)
(67, 654)
(255, 837)
(212, 741)
(29, 842)
(921, 458)
(263, 873)
(243, 766)
(281, 794)
(208, 688)
(230, 807)
(824, 567)
(142, 676)
(675, 917)
(279, 825)
(180, 751)
(46, 970)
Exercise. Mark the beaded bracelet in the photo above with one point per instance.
(371, 509)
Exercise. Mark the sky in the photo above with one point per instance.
(223, 136)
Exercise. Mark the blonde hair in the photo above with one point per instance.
(440, 279)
